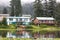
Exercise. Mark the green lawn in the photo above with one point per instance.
(52, 29)
(46, 28)
(29, 39)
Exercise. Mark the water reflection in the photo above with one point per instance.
(27, 34)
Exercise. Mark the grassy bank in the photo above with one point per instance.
(29, 39)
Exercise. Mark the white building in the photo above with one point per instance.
(24, 15)
(3, 16)
(14, 20)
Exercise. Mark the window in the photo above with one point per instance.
(25, 19)
(20, 19)
(11, 19)
(47, 21)
(42, 21)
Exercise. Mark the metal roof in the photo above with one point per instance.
(45, 18)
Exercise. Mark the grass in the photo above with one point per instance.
(48, 28)
(37, 29)
(29, 39)
(34, 27)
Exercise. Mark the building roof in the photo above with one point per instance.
(45, 18)
(26, 15)
(4, 14)
(18, 17)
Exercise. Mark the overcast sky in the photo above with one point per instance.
(6, 2)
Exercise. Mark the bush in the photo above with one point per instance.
(3, 26)
(44, 26)
(12, 26)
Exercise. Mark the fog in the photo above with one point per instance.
(7, 2)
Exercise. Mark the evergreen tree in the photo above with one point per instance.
(16, 8)
(45, 8)
(38, 8)
(12, 7)
(51, 9)
(57, 15)
(4, 22)
(4, 11)
(12, 11)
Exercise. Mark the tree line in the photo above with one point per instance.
(47, 9)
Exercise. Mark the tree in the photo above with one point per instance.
(38, 8)
(51, 9)
(4, 22)
(4, 11)
(12, 7)
(12, 11)
(45, 8)
(16, 8)
(57, 15)
(3, 25)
